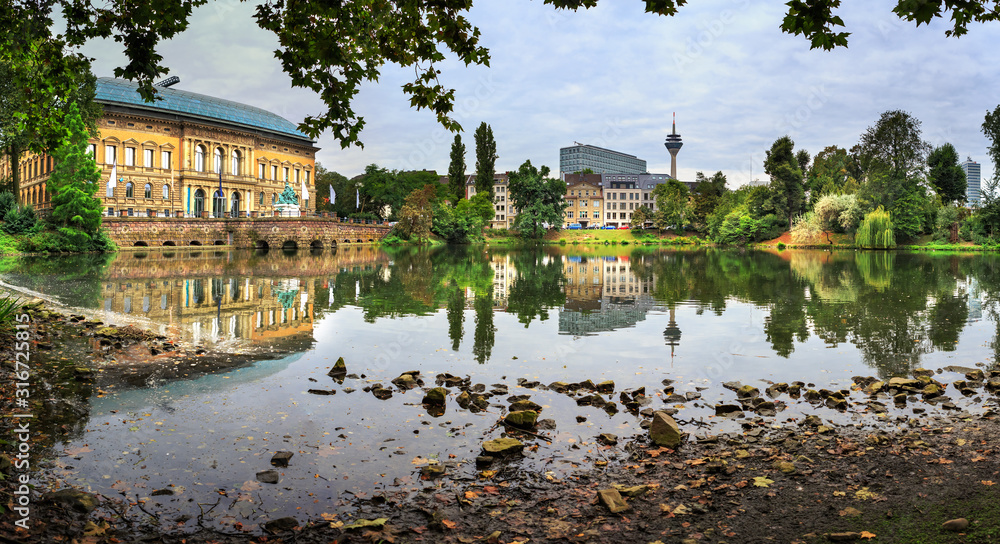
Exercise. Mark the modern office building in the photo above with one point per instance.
(186, 154)
(578, 157)
(972, 181)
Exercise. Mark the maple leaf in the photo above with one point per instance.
(471, 494)
(762, 481)
(987, 482)
(448, 524)
(867, 535)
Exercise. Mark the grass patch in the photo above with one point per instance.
(8, 242)
(919, 522)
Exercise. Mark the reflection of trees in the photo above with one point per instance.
(75, 279)
(894, 307)
(537, 286)
(456, 315)
(485, 335)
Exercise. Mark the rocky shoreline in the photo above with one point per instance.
(804, 479)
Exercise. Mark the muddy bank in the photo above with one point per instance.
(780, 473)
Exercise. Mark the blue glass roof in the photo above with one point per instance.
(123, 92)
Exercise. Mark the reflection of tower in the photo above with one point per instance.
(672, 334)
(673, 145)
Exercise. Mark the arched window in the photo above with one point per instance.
(147, 191)
(234, 208)
(199, 158)
(218, 160)
(166, 192)
(237, 163)
(129, 190)
(111, 189)
(274, 198)
(262, 198)
(199, 202)
(219, 204)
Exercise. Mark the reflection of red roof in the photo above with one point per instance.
(623, 258)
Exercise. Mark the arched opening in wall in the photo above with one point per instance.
(169, 243)
(290, 244)
(370, 240)
(333, 244)
(346, 241)
(168, 255)
(199, 202)
(261, 244)
(360, 241)
(195, 243)
(316, 244)
(220, 242)
(142, 255)
(141, 244)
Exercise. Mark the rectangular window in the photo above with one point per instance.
(260, 170)
(286, 173)
(147, 158)
(583, 215)
(129, 156)
(92, 151)
(298, 175)
(110, 157)
(569, 215)
(165, 160)
(597, 203)
(274, 172)
(307, 178)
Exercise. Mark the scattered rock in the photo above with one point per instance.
(524, 419)
(633, 491)
(280, 525)
(664, 431)
(321, 392)
(339, 369)
(464, 399)
(612, 500)
(747, 391)
(503, 446)
(268, 476)
(72, 499)
(957, 525)
(607, 439)
(786, 467)
(281, 458)
(726, 409)
(922, 372)
(160, 492)
(435, 397)
(607, 386)
(525, 405)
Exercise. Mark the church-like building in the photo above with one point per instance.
(186, 155)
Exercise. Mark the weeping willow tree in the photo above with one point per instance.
(875, 231)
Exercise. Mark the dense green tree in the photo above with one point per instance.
(705, 197)
(991, 129)
(383, 191)
(74, 181)
(461, 223)
(417, 214)
(642, 215)
(34, 101)
(787, 197)
(672, 205)
(894, 146)
(946, 175)
(456, 170)
(829, 173)
(538, 199)
(486, 157)
(343, 199)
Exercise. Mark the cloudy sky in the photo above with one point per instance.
(613, 75)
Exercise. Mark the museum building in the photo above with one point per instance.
(186, 155)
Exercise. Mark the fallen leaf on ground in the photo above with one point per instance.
(867, 535)
(762, 481)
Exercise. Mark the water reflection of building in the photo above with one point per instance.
(603, 294)
(219, 309)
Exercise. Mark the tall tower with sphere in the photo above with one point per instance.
(673, 145)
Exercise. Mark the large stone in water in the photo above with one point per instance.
(436, 396)
(503, 446)
(281, 458)
(525, 405)
(524, 419)
(664, 431)
(339, 368)
(613, 500)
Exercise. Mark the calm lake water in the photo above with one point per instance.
(699, 317)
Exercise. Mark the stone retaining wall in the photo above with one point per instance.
(271, 232)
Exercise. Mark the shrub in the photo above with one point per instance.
(7, 201)
(769, 227)
(781, 246)
(19, 219)
(876, 231)
(807, 229)
(946, 217)
(8, 307)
